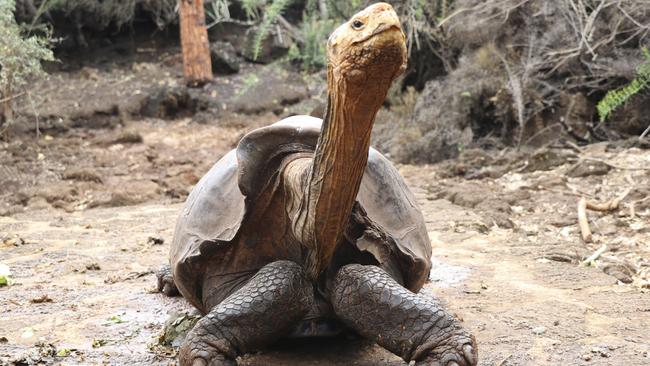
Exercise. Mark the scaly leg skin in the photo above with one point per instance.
(412, 326)
(275, 299)
(165, 281)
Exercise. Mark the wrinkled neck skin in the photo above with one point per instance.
(330, 182)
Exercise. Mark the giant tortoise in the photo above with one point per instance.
(304, 226)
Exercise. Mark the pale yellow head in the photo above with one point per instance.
(370, 45)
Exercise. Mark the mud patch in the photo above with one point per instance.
(446, 275)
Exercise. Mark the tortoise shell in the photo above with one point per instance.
(215, 210)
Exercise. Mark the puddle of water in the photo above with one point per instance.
(447, 275)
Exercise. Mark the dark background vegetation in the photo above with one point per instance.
(503, 73)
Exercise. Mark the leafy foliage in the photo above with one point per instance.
(20, 57)
(252, 8)
(311, 54)
(103, 13)
(616, 98)
(344, 9)
(271, 13)
(217, 11)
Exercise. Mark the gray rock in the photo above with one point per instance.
(224, 58)
(176, 328)
(274, 46)
(271, 89)
(168, 102)
(539, 330)
(585, 168)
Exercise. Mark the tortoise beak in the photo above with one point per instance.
(385, 19)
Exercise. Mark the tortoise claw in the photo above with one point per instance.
(460, 350)
(470, 354)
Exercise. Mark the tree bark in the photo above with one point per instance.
(197, 67)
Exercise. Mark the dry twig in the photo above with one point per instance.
(584, 204)
(644, 133)
(609, 205)
(595, 255)
(4, 100)
(585, 231)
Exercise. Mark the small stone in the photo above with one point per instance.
(601, 351)
(128, 137)
(556, 323)
(14, 241)
(93, 266)
(620, 272)
(224, 58)
(585, 168)
(154, 240)
(41, 299)
(539, 330)
(82, 175)
(586, 357)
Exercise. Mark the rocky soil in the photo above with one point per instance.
(87, 211)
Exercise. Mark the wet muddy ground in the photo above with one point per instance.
(507, 252)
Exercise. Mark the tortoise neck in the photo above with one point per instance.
(338, 166)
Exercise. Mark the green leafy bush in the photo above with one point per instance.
(271, 13)
(103, 13)
(616, 98)
(20, 58)
(311, 53)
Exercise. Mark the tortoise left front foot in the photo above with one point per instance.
(413, 326)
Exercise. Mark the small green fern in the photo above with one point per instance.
(616, 98)
(271, 14)
(252, 8)
(311, 54)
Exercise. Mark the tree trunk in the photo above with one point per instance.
(197, 66)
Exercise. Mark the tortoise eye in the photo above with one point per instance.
(357, 24)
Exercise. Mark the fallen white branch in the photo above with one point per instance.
(595, 255)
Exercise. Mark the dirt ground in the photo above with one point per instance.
(87, 214)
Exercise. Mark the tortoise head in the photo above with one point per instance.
(370, 46)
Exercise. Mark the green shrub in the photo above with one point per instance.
(20, 58)
(252, 8)
(616, 98)
(119, 12)
(271, 13)
(311, 53)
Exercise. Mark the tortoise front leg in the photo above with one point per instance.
(275, 299)
(412, 326)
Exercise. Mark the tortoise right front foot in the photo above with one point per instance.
(275, 299)
(165, 281)
(412, 326)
